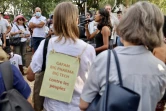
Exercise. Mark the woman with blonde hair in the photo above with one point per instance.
(139, 29)
(66, 41)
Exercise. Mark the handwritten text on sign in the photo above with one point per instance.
(60, 76)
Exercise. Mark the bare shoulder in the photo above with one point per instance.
(105, 29)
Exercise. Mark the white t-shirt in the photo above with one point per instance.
(3, 27)
(114, 22)
(4, 24)
(8, 35)
(91, 27)
(73, 49)
(38, 32)
(25, 31)
(16, 60)
(1, 36)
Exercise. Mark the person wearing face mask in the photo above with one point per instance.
(37, 24)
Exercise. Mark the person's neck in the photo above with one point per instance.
(20, 24)
(38, 17)
(126, 44)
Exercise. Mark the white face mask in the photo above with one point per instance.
(38, 14)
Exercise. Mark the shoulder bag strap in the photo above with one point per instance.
(118, 67)
(17, 27)
(45, 53)
(107, 81)
(107, 75)
(7, 74)
(108, 67)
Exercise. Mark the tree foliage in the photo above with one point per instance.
(26, 7)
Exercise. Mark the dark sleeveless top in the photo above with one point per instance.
(99, 41)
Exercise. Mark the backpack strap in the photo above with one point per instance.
(7, 74)
(45, 53)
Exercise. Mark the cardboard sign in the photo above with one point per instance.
(60, 76)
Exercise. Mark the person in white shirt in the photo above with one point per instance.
(2, 35)
(114, 22)
(37, 24)
(66, 42)
(6, 27)
(20, 30)
(7, 17)
(16, 60)
(91, 28)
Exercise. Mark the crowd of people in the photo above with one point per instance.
(136, 34)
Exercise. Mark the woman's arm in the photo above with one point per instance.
(20, 84)
(83, 105)
(30, 74)
(36, 64)
(27, 35)
(105, 33)
(4, 40)
(30, 101)
(91, 87)
(15, 33)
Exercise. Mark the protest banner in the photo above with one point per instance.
(60, 76)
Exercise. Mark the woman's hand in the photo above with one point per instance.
(22, 35)
(27, 35)
(4, 45)
(19, 32)
(83, 105)
(30, 101)
(86, 25)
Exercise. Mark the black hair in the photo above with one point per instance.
(105, 21)
(51, 17)
(119, 12)
(164, 27)
(90, 13)
(24, 26)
